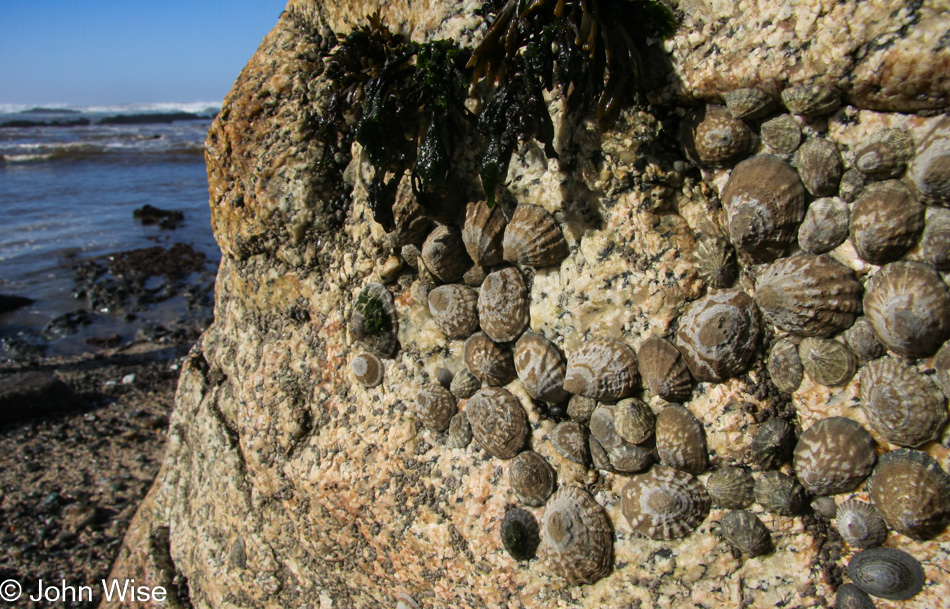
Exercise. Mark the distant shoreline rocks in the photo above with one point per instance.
(148, 118)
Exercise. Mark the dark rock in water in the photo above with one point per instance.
(30, 394)
(68, 323)
(9, 302)
(78, 122)
(165, 218)
(148, 119)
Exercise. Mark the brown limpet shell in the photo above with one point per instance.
(490, 362)
(634, 420)
(460, 431)
(533, 238)
(849, 596)
(785, 366)
(745, 532)
(942, 368)
(482, 233)
(911, 492)
(929, 171)
(681, 440)
(852, 185)
(570, 440)
(827, 361)
(464, 384)
(902, 405)
(748, 103)
(503, 305)
(368, 370)
(935, 240)
(602, 368)
(411, 223)
(629, 458)
(664, 503)
(435, 406)
(908, 306)
(715, 138)
(860, 525)
(444, 255)
(780, 494)
(885, 154)
(810, 100)
(580, 408)
(825, 226)
(541, 367)
(715, 261)
(773, 443)
(819, 166)
(730, 488)
(782, 133)
(577, 540)
(718, 335)
(862, 342)
(834, 456)
(885, 222)
(454, 309)
(531, 477)
(663, 370)
(499, 423)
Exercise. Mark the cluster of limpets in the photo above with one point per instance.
(790, 216)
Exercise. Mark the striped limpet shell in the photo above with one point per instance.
(664, 371)
(730, 488)
(819, 166)
(454, 309)
(911, 492)
(499, 423)
(810, 100)
(929, 171)
(541, 367)
(533, 238)
(827, 361)
(860, 525)
(664, 503)
(531, 477)
(718, 335)
(435, 406)
(681, 440)
(482, 233)
(503, 305)
(444, 255)
(492, 363)
(748, 103)
(577, 540)
(602, 368)
(785, 366)
(779, 493)
(886, 221)
(834, 456)
(902, 405)
(773, 443)
(745, 532)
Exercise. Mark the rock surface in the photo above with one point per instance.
(287, 483)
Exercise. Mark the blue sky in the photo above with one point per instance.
(106, 52)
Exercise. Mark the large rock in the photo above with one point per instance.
(25, 395)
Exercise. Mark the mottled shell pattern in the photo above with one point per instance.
(611, 451)
(745, 532)
(860, 525)
(602, 368)
(887, 573)
(460, 431)
(569, 438)
(580, 407)
(827, 361)
(764, 201)
(664, 503)
(849, 596)
(825, 226)
(834, 456)
(576, 536)
(819, 166)
(482, 233)
(779, 493)
(902, 405)
(435, 406)
(492, 363)
(908, 306)
(885, 222)
(748, 103)
(503, 305)
(634, 420)
(935, 240)
(885, 154)
(368, 369)
(499, 423)
(852, 185)
(911, 492)
(454, 309)
(464, 384)
(541, 367)
(715, 262)
(373, 320)
(862, 342)
(929, 171)
(773, 443)
(809, 295)
(444, 255)
(533, 238)
(681, 440)
(782, 134)
(730, 488)
(810, 100)
(715, 138)
(663, 370)
(824, 506)
(785, 366)
(718, 335)
(531, 477)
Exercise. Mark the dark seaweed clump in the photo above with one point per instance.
(376, 320)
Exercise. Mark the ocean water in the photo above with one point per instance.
(67, 195)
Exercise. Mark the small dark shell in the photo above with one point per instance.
(782, 133)
(825, 226)
(533, 238)
(411, 223)
(464, 384)
(785, 366)
(664, 503)
(749, 103)
(715, 138)
(598, 456)
(482, 233)
(531, 477)
(681, 440)
(810, 100)
(570, 440)
(460, 431)
(373, 320)
(718, 335)
(885, 222)
(663, 370)
(852, 185)
(862, 342)
(603, 427)
(445, 378)
(541, 367)
(929, 171)
(809, 295)
(435, 407)
(730, 488)
(819, 166)
(908, 306)
(503, 305)
(834, 456)
(492, 363)
(911, 492)
(902, 405)
(367, 369)
(824, 506)
(577, 537)
(885, 154)
(935, 241)
(827, 361)
(779, 493)
(498, 421)
(444, 254)
(602, 368)
(773, 443)
(716, 262)
(746, 533)
(580, 407)
(634, 420)
(849, 596)
(860, 525)
(454, 309)
(764, 202)
(520, 534)
(887, 573)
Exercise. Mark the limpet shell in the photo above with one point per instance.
(730, 488)
(785, 366)
(492, 363)
(454, 309)
(540, 366)
(942, 368)
(908, 306)
(503, 305)
(764, 201)
(577, 538)
(779, 493)
(862, 342)
(464, 384)
(580, 407)
(602, 368)
(435, 407)
(810, 100)
(911, 492)
(634, 420)
(533, 238)
(809, 295)
(852, 185)
(603, 426)
(368, 369)
(716, 262)
(834, 456)
(824, 506)
(531, 477)
(411, 223)
(629, 458)
(782, 133)
(746, 533)
(885, 154)
(748, 103)
(929, 171)
(715, 138)
(482, 233)
(827, 361)
(885, 222)
(520, 534)
(663, 370)
(373, 320)
(444, 255)
(902, 405)
(887, 573)
(773, 443)
(460, 431)
(935, 240)
(825, 226)
(598, 456)
(718, 335)
(570, 440)
(849, 596)
(819, 166)
(681, 440)
(860, 525)
(664, 503)
(498, 421)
